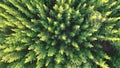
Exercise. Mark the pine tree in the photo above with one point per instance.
(58, 33)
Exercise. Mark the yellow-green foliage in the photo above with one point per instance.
(57, 33)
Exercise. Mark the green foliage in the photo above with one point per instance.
(58, 33)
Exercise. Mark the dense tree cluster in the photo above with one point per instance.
(59, 33)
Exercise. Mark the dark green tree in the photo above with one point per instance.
(59, 33)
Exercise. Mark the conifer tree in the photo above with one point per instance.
(58, 33)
